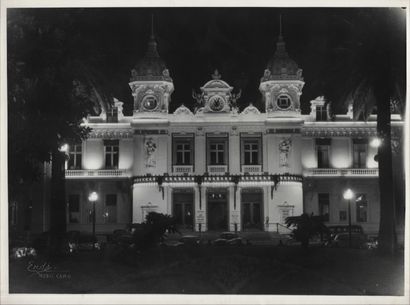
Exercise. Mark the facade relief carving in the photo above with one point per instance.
(285, 146)
(150, 148)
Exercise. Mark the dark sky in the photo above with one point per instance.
(194, 41)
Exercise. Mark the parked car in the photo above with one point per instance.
(185, 240)
(73, 241)
(228, 238)
(81, 241)
(372, 243)
(339, 236)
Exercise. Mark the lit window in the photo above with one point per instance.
(111, 148)
(75, 157)
(361, 208)
(324, 203)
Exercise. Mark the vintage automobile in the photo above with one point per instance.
(339, 236)
(228, 238)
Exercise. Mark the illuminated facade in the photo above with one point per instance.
(218, 168)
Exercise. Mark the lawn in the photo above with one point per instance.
(214, 270)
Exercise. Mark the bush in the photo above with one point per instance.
(305, 227)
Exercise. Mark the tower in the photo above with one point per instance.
(151, 83)
(282, 83)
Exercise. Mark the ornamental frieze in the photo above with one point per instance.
(339, 132)
(110, 134)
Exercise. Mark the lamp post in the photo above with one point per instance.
(93, 197)
(348, 195)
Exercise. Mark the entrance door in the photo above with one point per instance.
(252, 210)
(217, 210)
(183, 210)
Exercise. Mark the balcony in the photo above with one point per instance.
(183, 169)
(251, 169)
(341, 172)
(100, 173)
(217, 169)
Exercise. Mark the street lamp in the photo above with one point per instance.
(348, 195)
(93, 197)
(375, 142)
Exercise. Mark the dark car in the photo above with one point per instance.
(73, 241)
(339, 236)
(81, 241)
(228, 238)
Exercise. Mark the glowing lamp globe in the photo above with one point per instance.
(348, 194)
(93, 197)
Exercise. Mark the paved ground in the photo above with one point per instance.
(217, 270)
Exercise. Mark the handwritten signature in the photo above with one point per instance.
(45, 270)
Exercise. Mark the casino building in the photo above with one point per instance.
(218, 168)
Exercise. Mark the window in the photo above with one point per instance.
(322, 149)
(75, 157)
(110, 208)
(183, 151)
(112, 115)
(342, 216)
(74, 208)
(283, 102)
(251, 151)
(323, 199)
(321, 113)
(361, 208)
(359, 153)
(217, 151)
(111, 153)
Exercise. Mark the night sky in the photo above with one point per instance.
(194, 42)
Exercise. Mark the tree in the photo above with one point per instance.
(366, 67)
(305, 227)
(51, 88)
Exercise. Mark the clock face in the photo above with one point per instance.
(217, 103)
(149, 103)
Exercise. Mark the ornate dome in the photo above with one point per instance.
(281, 66)
(151, 67)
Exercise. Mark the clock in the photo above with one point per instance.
(149, 103)
(217, 103)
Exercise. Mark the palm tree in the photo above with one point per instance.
(369, 71)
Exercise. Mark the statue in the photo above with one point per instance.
(150, 148)
(284, 148)
(234, 98)
(199, 97)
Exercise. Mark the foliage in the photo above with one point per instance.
(52, 87)
(305, 227)
(366, 68)
(153, 230)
